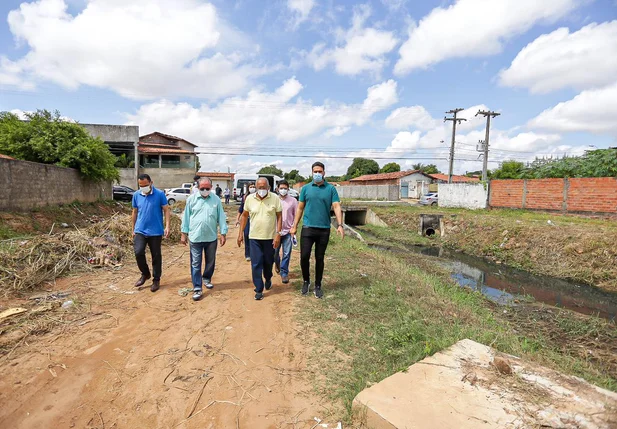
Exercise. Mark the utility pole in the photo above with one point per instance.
(454, 120)
(488, 114)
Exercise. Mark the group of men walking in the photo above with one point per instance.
(267, 226)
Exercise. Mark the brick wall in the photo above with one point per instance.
(506, 193)
(26, 185)
(597, 195)
(544, 194)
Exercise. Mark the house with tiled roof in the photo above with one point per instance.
(411, 183)
(169, 160)
(443, 178)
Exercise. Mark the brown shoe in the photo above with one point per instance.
(285, 280)
(156, 284)
(277, 268)
(142, 280)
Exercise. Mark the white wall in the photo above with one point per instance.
(465, 195)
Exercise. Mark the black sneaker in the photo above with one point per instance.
(259, 296)
(318, 292)
(305, 287)
(268, 285)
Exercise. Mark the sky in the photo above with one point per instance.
(289, 82)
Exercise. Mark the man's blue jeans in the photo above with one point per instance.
(286, 245)
(262, 258)
(197, 251)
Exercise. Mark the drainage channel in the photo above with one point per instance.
(506, 285)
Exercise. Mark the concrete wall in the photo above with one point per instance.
(127, 177)
(415, 184)
(169, 177)
(62, 186)
(465, 195)
(370, 192)
(113, 133)
(596, 195)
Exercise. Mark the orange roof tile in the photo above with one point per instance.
(455, 179)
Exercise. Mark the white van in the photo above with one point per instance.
(241, 183)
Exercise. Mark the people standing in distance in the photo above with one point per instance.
(195, 187)
(202, 214)
(265, 212)
(247, 248)
(219, 191)
(316, 200)
(290, 206)
(149, 205)
(226, 194)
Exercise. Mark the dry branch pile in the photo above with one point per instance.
(25, 264)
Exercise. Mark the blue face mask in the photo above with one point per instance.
(317, 177)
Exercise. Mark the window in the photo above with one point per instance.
(188, 161)
(149, 161)
(170, 161)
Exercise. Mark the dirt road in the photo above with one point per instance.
(151, 360)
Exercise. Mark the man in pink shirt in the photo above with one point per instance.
(290, 205)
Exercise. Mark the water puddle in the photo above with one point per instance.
(508, 286)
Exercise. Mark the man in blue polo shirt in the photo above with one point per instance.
(149, 204)
(316, 200)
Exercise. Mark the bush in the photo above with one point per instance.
(45, 138)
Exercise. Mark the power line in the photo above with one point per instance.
(454, 122)
(312, 156)
(488, 114)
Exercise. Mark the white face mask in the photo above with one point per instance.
(145, 190)
(283, 192)
(252, 190)
(262, 192)
(204, 193)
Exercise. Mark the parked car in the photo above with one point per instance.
(177, 194)
(294, 193)
(123, 193)
(430, 199)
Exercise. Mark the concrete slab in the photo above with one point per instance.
(462, 388)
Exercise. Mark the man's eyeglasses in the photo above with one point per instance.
(205, 189)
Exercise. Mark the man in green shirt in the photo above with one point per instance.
(316, 200)
(203, 213)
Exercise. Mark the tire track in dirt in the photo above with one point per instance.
(162, 361)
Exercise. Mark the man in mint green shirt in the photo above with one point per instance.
(203, 213)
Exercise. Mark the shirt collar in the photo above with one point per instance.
(324, 183)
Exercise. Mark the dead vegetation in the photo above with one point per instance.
(27, 263)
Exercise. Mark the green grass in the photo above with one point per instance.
(381, 314)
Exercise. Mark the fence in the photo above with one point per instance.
(369, 192)
(26, 185)
(465, 195)
(597, 195)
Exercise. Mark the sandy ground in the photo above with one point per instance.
(151, 360)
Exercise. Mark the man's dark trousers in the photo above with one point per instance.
(309, 237)
(139, 246)
(262, 258)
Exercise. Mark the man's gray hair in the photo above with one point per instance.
(205, 180)
(263, 178)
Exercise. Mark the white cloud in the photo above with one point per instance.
(140, 49)
(584, 59)
(260, 116)
(593, 111)
(411, 117)
(394, 5)
(301, 10)
(474, 28)
(358, 49)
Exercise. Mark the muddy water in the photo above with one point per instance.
(509, 286)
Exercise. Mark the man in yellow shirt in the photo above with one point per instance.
(265, 211)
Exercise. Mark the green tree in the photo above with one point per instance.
(294, 176)
(428, 168)
(391, 167)
(197, 163)
(47, 139)
(360, 167)
(509, 170)
(123, 161)
(271, 169)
